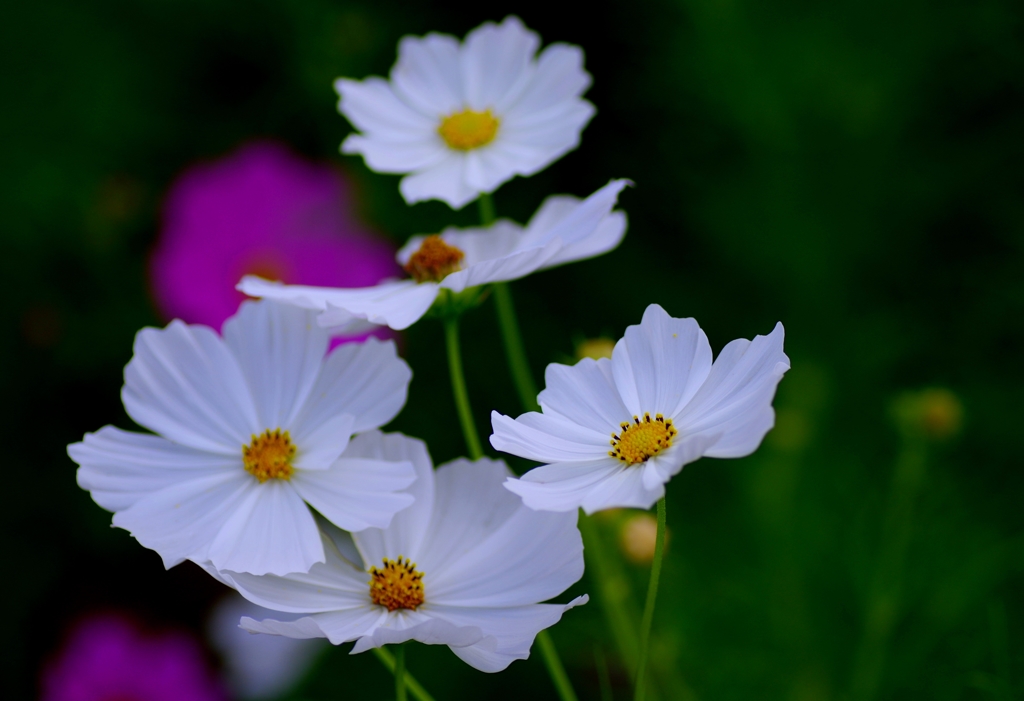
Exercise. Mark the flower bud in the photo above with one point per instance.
(637, 538)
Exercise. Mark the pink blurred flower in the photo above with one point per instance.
(260, 210)
(107, 658)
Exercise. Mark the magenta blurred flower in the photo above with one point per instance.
(261, 210)
(107, 658)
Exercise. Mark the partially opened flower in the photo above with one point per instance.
(252, 426)
(464, 118)
(464, 566)
(263, 210)
(614, 431)
(563, 230)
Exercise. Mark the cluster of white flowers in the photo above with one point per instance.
(266, 465)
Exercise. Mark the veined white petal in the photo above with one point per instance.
(564, 486)
(606, 237)
(178, 521)
(270, 532)
(394, 303)
(511, 267)
(403, 537)
(357, 493)
(119, 467)
(403, 626)
(585, 394)
(319, 441)
(735, 400)
(428, 74)
(305, 628)
(511, 631)
(547, 438)
(496, 63)
(661, 363)
(559, 77)
(384, 155)
(279, 348)
(576, 224)
(372, 106)
(365, 380)
(442, 181)
(334, 585)
(183, 383)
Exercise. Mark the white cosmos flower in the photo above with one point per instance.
(251, 427)
(464, 566)
(462, 119)
(614, 431)
(563, 230)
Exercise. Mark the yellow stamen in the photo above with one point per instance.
(434, 260)
(269, 455)
(397, 585)
(642, 439)
(467, 130)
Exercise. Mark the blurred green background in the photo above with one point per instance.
(853, 169)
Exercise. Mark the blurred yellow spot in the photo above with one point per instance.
(637, 538)
(467, 130)
(397, 585)
(936, 412)
(434, 260)
(641, 440)
(269, 455)
(595, 348)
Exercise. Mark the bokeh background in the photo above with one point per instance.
(852, 168)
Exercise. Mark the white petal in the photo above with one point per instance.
(443, 181)
(319, 443)
(576, 225)
(406, 532)
(392, 303)
(366, 380)
(119, 467)
(183, 383)
(547, 438)
(372, 107)
(181, 521)
(279, 348)
(357, 493)
(735, 400)
(386, 156)
(534, 143)
(402, 626)
(511, 631)
(660, 364)
(506, 558)
(299, 629)
(334, 585)
(496, 62)
(565, 486)
(476, 243)
(585, 394)
(511, 267)
(559, 77)
(271, 532)
(428, 76)
(606, 237)
(467, 508)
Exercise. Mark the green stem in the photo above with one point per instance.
(514, 349)
(486, 205)
(451, 337)
(652, 595)
(414, 687)
(400, 673)
(555, 668)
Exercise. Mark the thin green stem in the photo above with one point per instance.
(555, 668)
(604, 681)
(486, 205)
(400, 673)
(414, 687)
(451, 337)
(652, 595)
(514, 349)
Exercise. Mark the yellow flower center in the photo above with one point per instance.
(397, 584)
(467, 130)
(642, 439)
(269, 455)
(434, 260)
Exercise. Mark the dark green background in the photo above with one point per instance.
(853, 169)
